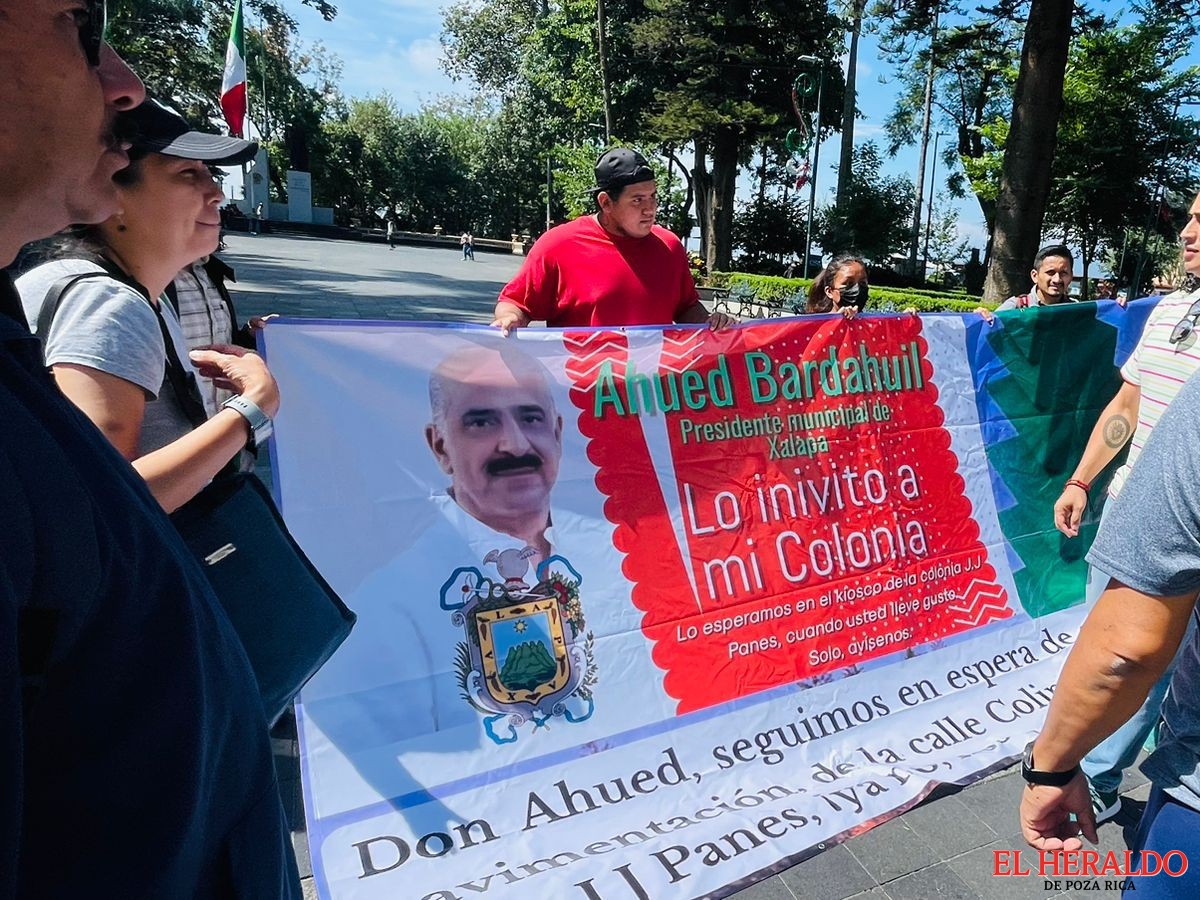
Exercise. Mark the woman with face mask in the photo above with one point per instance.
(841, 287)
(115, 347)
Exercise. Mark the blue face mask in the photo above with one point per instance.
(854, 295)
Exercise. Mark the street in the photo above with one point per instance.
(303, 276)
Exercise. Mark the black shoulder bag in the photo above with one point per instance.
(289, 619)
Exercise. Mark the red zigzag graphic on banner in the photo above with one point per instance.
(589, 351)
(682, 349)
(625, 475)
(613, 447)
(984, 602)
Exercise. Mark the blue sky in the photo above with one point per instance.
(392, 45)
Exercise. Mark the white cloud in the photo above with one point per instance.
(384, 45)
(974, 232)
(411, 72)
(425, 55)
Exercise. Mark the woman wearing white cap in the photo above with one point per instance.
(114, 348)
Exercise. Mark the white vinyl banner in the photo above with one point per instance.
(652, 613)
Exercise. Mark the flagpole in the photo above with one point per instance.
(251, 205)
(234, 91)
(247, 178)
(262, 38)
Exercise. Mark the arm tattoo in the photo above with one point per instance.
(1117, 432)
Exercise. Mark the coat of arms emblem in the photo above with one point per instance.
(525, 657)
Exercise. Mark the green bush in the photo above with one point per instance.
(900, 299)
(778, 291)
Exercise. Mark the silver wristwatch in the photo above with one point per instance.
(261, 425)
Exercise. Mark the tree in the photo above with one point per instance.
(875, 217)
(547, 61)
(768, 232)
(1162, 260)
(1121, 136)
(543, 79)
(178, 48)
(420, 169)
(369, 140)
(945, 246)
(511, 167)
(721, 82)
(972, 90)
(1029, 150)
(340, 185)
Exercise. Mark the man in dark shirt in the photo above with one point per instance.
(134, 754)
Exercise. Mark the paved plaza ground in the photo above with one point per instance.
(300, 276)
(941, 849)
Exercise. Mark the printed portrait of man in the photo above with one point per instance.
(497, 434)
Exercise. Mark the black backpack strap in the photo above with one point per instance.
(187, 391)
(182, 382)
(54, 299)
(58, 290)
(172, 294)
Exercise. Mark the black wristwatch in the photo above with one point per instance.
(1047, 779)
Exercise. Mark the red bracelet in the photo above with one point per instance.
(1087, 488)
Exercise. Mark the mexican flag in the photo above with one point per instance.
(233, 85)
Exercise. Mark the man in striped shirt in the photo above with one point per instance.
(207, 316)
(1166, 356)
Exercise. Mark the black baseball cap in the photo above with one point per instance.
(156, 128)
(619, 167)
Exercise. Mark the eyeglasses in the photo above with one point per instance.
(1186, 325)
(91, 30)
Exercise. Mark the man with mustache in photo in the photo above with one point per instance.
(497, 434)
(495, 430)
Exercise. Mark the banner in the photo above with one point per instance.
(653, 613)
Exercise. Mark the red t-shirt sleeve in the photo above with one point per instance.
(534, 289)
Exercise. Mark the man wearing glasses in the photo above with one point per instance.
(614, 268)
(134, 754)
(1149, 544)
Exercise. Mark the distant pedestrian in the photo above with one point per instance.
(468, 245)
(391, 234)
(256, 219)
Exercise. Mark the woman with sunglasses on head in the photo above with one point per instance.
(841, 287)
(115, 349)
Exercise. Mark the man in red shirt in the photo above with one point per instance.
(614, 268)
